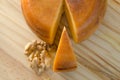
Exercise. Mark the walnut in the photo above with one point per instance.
(38, 55)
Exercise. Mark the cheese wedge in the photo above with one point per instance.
(65, 58)
(43, 17)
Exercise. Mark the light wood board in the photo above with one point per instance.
(98, 57)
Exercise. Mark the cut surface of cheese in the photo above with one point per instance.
(43, 17)
(84, 16)
(65, 58)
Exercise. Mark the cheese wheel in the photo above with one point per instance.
(83, 16)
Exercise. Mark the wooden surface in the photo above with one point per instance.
(98, 57)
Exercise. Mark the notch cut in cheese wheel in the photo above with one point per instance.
(83, 17)
(65, 58)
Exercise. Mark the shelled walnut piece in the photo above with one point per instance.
(38, 55)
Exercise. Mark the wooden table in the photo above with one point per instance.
(98, 57)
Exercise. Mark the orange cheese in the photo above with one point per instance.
(65, 58)
(83, 17)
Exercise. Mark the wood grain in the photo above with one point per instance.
(98, 57)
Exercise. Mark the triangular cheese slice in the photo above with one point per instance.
(65, 58)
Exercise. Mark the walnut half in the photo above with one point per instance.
(38, 55)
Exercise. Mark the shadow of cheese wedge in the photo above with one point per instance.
(65, 58)
(83, 17)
